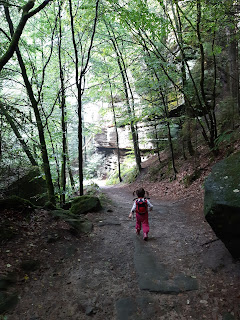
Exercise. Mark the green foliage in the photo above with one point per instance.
(92, 189)
(152, 47)
(226, 136)
(189, 179)
(93, 164)
(156, 172)
(129, 172)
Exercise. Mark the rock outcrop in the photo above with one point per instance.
(222, 202)
(31, 187)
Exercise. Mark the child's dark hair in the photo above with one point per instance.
(140, 193)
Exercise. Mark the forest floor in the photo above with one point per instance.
(182, 272)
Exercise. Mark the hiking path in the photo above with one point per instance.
(182, 272)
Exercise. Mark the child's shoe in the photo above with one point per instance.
(145, 236)
(137, 232)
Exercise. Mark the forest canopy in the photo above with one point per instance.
(169, 67)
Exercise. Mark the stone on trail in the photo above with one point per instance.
(156, 277)
(109, 222)
(139, 308)
(222, 202)
(85, 204)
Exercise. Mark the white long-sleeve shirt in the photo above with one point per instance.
(134, 204)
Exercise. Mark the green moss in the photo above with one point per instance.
(16, 203)
(224, 179)
(85, 204)
(31, 187)
(128, 174)
(189, 179)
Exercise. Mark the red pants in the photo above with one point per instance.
(142, 221)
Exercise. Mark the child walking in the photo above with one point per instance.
(141, 206)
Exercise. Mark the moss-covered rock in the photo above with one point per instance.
(85, 204)
(81, 225)
(222, 202)
(16, 203)
(31, 187)
(62, 214)
(78, 223)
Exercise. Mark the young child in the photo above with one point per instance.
(141, 206)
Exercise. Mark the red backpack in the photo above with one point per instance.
(141, 206)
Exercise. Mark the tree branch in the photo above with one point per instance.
(26, 14)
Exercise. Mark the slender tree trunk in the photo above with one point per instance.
(132, 126)
(80, 137)
(116, 130)
(79, 78)
(169, 134)
(1, 122)
(63, 116)
(212, 124)
(157, 143)
(18, 135)
(72, 182)
(184, 79)
(34, 103)
(233, 69)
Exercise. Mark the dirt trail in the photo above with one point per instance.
(95, 276)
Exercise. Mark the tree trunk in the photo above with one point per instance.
(63, 116)
(116, 130)
(26, 14)
(211, 123)
(169, 134)
(184, 79)
(72, 182)
(79, 84)
(233, 70)
(157, 143)
(129, 111)
(1, 122)
(18, 135)
(34, 103)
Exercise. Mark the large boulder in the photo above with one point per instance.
(222, 202)
(85, 204)
(31, 187)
